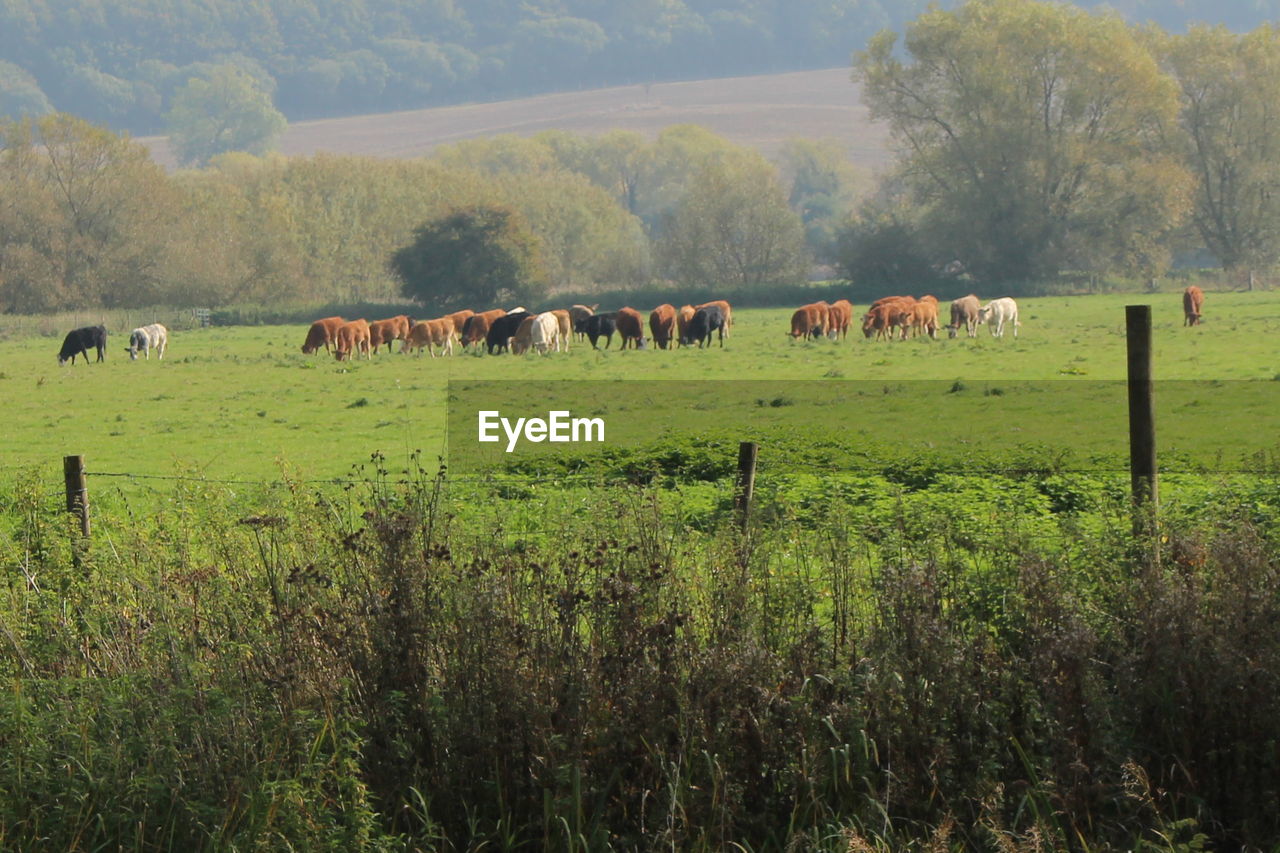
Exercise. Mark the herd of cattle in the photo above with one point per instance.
(905, 315)
(519, 331)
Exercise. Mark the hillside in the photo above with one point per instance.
(761, 111)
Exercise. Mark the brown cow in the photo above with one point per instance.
(662, 323)
(522, 340)
(683, 316)
(809, 321)
(352, 337)
(728, 314)
(565, 321)
(428, 333)
(839, 318)
(630, 326)
(388, 331)
(964, 312)
(321, 334)
(885, 314)
(476, 328)
(1192, 300)
(924, 317)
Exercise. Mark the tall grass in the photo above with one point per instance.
(423, 665)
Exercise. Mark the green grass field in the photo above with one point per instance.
(238, 403)
(912, 652)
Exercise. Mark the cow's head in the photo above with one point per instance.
(952, 331)
(984, 313)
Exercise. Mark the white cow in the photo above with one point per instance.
(997, 312)
(146, 338)
(545, 334)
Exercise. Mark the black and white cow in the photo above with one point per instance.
(144, 339)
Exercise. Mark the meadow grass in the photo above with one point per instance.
(243, 402)
(904, 654)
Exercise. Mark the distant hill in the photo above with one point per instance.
(760, 111)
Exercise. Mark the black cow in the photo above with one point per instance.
(78, 342)
(503, 329)
(599, 326)
(705, 320)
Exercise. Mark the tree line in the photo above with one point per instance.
(89, 220)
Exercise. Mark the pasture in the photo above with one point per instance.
(924, 656)
(243, 403)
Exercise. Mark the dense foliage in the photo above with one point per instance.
(88, 220)
(1035, 137)
(902, 660)
(472, 256)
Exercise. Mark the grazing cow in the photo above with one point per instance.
(884, 314)
(630, 326)
(565, 323)
(599, 326)
(1192, 300)
(727, 313)
(78, 341)
(388, 332)
(964, 312)
(810, 321)
(924, 318)
(144, 339)
(352, 338)
(706, 320)
(476, 327)
(545, 334)
(997, 313)
(683, 316)
(428, 334)
(502, 330)
(662, 325)
(839, 318)
(321, 334)
(522, 340)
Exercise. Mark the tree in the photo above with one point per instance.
(477, 256)
(1230, 104)
(734, 228)
(229, 111)
(1032, 134)
(824, 187)
(85, 220)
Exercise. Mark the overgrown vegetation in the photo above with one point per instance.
(969, 663)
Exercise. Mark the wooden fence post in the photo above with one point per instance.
(1142, 419)
(77, 490)
(746, 484)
